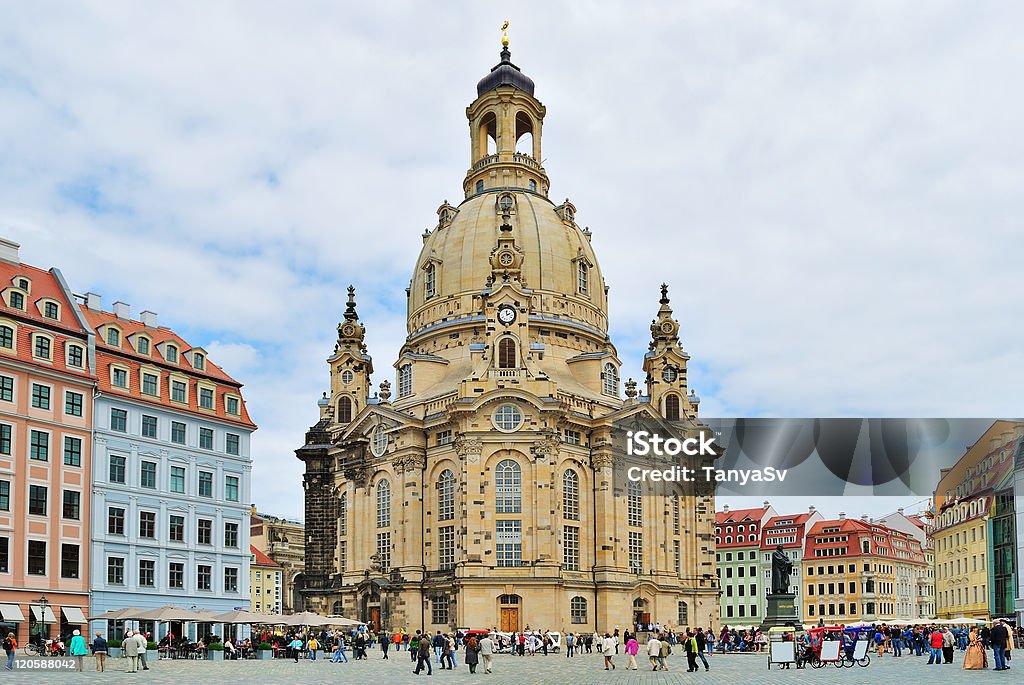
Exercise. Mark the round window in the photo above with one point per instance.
(346, 376)
(380, 441)
(508, 418)
(669, 374)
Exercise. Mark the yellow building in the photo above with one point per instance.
(964, 501)
(264, 583)
(485, 492)
(284, 542)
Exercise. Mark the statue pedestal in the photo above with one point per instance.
(781, 611)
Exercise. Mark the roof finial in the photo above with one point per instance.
(350, 310)
(664, 294)
(504, 33)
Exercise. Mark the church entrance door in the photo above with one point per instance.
(510, 619)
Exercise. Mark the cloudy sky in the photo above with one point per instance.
(832, 189)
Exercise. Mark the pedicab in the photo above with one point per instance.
(856, 645)
(826, 643)
(785, 647)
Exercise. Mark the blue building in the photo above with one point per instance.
(171, 476)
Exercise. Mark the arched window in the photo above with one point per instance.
(446, 496)
(405, 380)
(508, 484)
(430, 282)
(611, 380)
(506, 353)
(672, 407)
(343, 514)
(739, 538)
(570, 495)
(338, 608)
(346, 376)
(344, 410)
(634, 504)
(583, 277)
(41, 347)
(684, 615)
(384, 504)
(578, 610)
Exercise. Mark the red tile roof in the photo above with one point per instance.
(883, 541)
(793, 521)
(751, 520)
(262, 559)
(126, 355)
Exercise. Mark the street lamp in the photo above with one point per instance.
(42, 602)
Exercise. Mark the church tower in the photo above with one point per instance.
(484, 492)
(665, 366)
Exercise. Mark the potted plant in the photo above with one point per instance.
(216, 651)
(152, 651)
(265, 650)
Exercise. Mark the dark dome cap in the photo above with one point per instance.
(505, 74)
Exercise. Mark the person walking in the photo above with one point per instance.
(935, 647)
(690, 649)
(608, 650)
(296, 646)
(975, 657)
(10, 649)
(312, 646)
(472, 653)
(143, 644)
(486, 652)
(130, 649)
(666, 650)
(339, 649)
(100, 650)
(570, 642)
(948, 645)
(702, 638)
(385, 643)
(78, 650)
(632, 647)
(446, 654)
(999, 637)
(423, 655)
(414, 646)
(653, 651)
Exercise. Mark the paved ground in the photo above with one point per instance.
(538, 670)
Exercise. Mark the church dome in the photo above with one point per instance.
(505, 74)
(558, 260)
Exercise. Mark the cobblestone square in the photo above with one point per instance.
(748, 669)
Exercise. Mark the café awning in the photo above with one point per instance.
(73, 615)
(39, 615)
(11, 613)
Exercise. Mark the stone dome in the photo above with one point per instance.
(553, 247)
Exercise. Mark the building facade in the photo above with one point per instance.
(738, 545)
(975, 567)
(171, 465)
(922, 581)
(46, 389)
(265, 584)
(852, 569)
(484, 493)
(284, 542)
(790, 532)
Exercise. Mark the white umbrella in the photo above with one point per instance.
(169, 613)
(307, 618)
(117, 614)
(242, 616)
(343, 622)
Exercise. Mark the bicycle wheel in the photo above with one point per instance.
(31, 649)
(865, 661)
(817, 663)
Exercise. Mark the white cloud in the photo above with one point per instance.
(832, 190)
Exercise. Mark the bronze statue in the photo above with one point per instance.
(782, 566)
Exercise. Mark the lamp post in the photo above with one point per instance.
(42, 602)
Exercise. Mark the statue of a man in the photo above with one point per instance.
(782, 566)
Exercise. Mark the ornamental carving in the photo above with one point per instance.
(409, 463)
(469, 449)
(601, 459)
(545, 447)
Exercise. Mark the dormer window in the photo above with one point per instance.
(24, 284)
(142, 346)
(6, 337)
(405, 380)
(231, 405)
(119, 377)
(17, 301)
(430, 286)
(113, 337)
(611, 380)
(198, 361)
(76, 356)
(172, 354)
(51, 310)
(41, 347)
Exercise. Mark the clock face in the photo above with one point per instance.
(505, 202)
(506, 314)
(505, 259)
(348, 329)
(667, 327)
(669, 374)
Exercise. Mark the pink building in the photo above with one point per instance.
(47, 381)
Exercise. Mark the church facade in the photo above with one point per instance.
(481, 489)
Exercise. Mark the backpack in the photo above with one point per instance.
(8, 645)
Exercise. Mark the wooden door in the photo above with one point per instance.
(375, 618)
(510, 620)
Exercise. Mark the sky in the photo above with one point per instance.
(832, 190)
